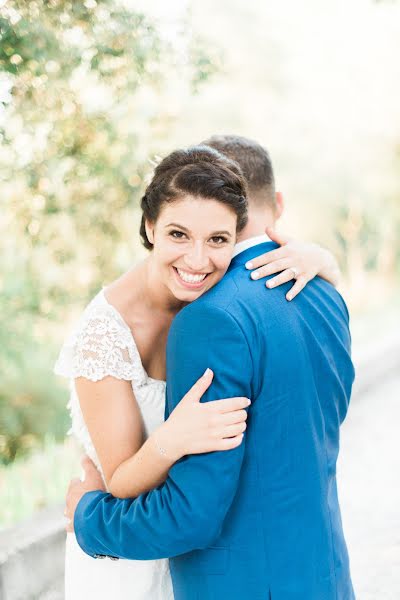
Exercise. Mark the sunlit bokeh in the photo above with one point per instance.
(92, 92)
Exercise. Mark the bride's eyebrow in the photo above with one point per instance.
(226, 233)
(179, 226)
(214, 233)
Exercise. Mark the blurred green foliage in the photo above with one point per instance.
(37, 480)
(81, 90)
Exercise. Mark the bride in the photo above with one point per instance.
(194, 211)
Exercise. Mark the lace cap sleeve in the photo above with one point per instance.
(101, 345)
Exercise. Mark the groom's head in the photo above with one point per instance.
(265, 203)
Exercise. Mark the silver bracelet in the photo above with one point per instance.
(160, 449)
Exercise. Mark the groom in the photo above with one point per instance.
(261, 521)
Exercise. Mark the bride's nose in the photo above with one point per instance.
(197, 258)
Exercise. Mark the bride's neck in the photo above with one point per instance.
(140, 290)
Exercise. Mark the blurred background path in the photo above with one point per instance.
(369, 488)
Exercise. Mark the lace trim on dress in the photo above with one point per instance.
(101, 345)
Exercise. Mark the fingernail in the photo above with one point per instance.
(289, 297)
(207, 372)
(255, 275)
(270, 284)
(248, 401)
(249, 265)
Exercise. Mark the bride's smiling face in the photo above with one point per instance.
(193, 240)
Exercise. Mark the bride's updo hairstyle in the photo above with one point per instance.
(198, 171)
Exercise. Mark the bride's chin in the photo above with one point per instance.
(185, 295)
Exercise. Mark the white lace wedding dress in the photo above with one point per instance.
(101, 345)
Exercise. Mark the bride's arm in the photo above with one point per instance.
(132, 466)
(308, 260)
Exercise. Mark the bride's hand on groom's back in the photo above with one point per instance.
(196, 427)
(78, 488)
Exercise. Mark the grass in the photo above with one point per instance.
(40, 480)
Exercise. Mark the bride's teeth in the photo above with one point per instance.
(189, 278)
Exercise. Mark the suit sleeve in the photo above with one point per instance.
(188, 510)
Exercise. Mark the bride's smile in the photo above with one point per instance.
(191, 279)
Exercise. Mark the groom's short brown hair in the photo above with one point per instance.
(254, 161)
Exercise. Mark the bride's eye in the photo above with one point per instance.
(218, 239)
(177, 235)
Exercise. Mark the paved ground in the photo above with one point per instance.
(369, 489)
(55, 593)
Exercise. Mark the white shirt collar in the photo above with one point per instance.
(249, 243)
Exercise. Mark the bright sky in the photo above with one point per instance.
(317, 82)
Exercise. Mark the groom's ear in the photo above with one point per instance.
(149, 231)
(279, 205)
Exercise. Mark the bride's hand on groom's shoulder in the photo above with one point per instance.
(294, 259)
(78, 488)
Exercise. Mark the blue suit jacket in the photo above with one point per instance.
(263, 520)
